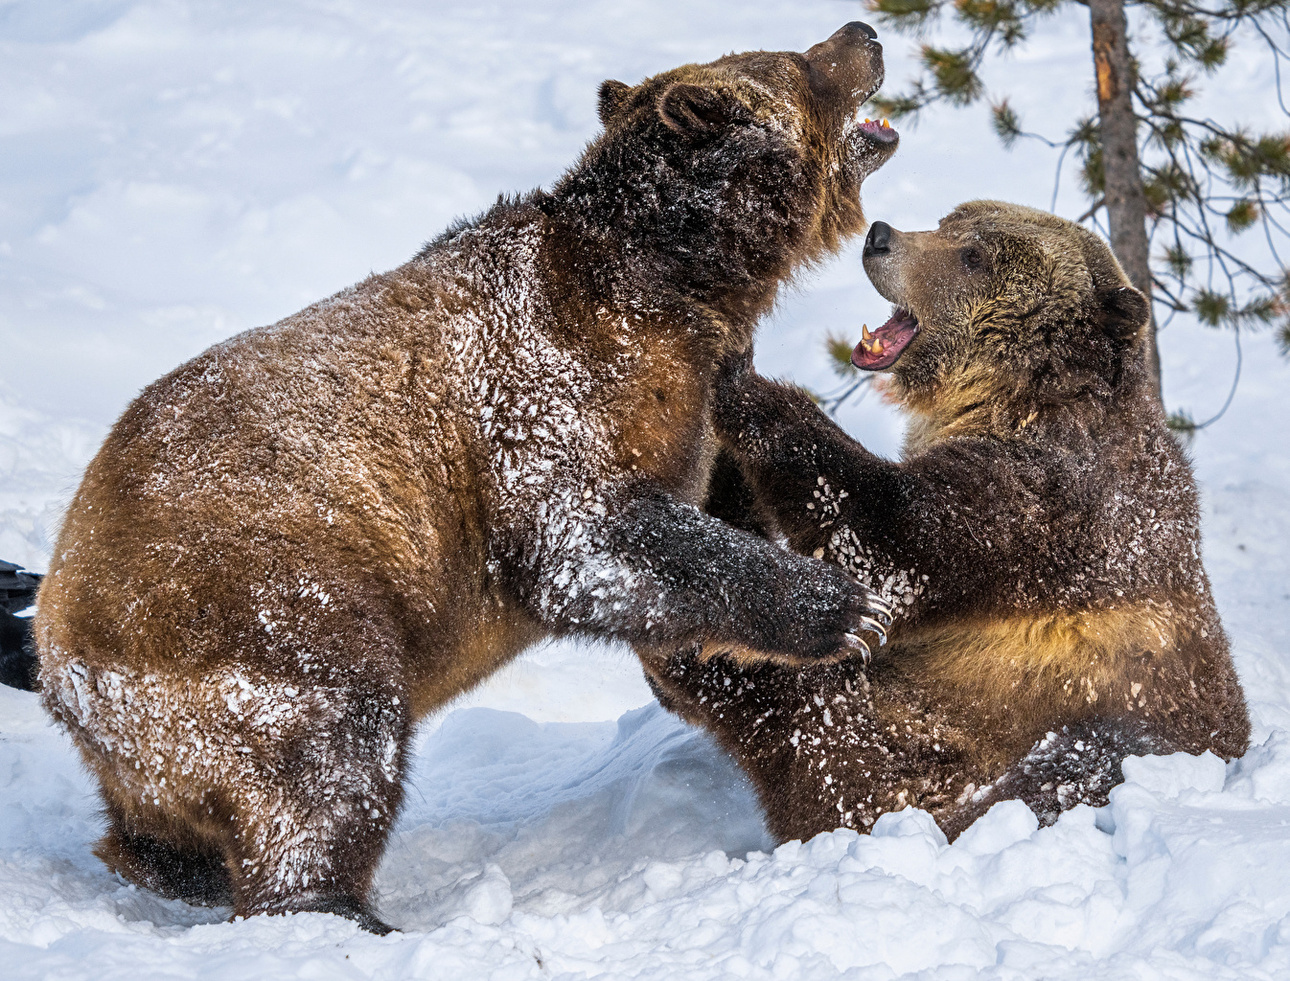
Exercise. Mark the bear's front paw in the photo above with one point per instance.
(841, 618)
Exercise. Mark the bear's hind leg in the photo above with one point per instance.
(300, 858)
(1079, 764)
(172, 861)
(310, 824)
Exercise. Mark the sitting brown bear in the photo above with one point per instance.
(1040, 541)
(301, 542)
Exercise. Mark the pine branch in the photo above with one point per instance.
(1207, 183)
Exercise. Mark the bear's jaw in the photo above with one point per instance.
(878, 132)
(882, 348)
(869, 145)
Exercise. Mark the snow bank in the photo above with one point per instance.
(636, 850)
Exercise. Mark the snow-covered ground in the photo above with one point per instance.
(171, 173)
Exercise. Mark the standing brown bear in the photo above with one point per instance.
(301, 542)
(1040, 541)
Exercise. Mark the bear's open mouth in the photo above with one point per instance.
(878, 131)
(884, 346)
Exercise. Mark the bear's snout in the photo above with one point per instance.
(878, 240)
(847, 68)
(857, 27)
(856, 34)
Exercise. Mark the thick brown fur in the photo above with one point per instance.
(301, 542)
(1040, 541)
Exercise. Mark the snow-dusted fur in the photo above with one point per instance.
(296, 545)
(1040, 541)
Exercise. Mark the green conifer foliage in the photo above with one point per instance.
(1196, 208)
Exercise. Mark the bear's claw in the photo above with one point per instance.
(881, 609)
(872, 625)
(856, 643)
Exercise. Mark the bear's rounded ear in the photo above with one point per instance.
(697, 110)
(1125, 311)
(613, 95)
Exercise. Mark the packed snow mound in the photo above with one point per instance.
(636, 850)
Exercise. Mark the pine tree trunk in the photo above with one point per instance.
(1126, 204)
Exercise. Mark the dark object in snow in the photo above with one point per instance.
(19, 667)
(1040, 541)
(17, 587)
(301, 542)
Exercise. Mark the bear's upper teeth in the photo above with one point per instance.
(869, 341)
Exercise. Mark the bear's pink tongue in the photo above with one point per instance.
(878, 131)
(885, 345)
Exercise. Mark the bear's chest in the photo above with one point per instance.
(659, 420)
(597, 405)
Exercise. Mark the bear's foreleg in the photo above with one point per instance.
(939, 531)
(656, 571)
(804, 470)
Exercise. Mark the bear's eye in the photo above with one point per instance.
(973, 259)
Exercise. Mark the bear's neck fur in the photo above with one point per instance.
(661, 224)
(1109, 384)
(697, 233)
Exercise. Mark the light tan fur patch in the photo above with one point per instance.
(1065, 657)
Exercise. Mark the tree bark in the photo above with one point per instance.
(1126, 204)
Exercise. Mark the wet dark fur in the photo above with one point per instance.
(1040, 538)
(296, 545)
(18, 665)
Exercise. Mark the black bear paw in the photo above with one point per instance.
(841, 618)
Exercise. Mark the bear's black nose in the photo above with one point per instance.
(857, 27)
(878, 238)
